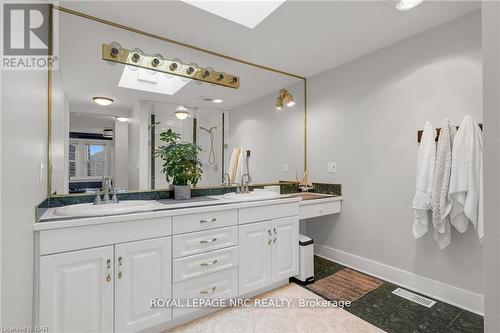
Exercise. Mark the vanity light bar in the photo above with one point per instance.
(121, 55)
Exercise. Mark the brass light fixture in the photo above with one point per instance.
(284, 99)
(115, 53)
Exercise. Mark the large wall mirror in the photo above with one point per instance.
(90, 141)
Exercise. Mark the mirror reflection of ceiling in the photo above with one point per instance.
(297, 37)
(84, 74)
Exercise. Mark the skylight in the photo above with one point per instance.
(247, 13)
(145, 80)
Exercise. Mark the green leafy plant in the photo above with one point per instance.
(180, 159)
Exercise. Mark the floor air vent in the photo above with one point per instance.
(414, 297)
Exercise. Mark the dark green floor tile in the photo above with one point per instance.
(324, 268)
(467, 322)
(395, 314)
(427, 325)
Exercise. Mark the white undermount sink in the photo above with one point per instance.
(254, 195)
(89, 209)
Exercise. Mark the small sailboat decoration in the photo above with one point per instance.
(305, 184)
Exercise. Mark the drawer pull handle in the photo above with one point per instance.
(208, 291)
(269, 231)
(269, 243)
(204, 264)
(275, 232)
(108, 263)
(209, 220)
(208, 241)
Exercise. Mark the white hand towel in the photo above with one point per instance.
(241, 164)
(425, 174)
(466, 184)
(441, 183)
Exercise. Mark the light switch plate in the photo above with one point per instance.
(284, 167)
(332, 167)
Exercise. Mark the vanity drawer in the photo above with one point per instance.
(204, 221)
(269, 212)
(309, 210)
(203, 264)
(203, 241)
(223, 284)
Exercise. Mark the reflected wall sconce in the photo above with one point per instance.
(114, 53)
(284, 99)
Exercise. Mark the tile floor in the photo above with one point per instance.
(394, 314)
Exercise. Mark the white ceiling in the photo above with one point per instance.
(302, 37)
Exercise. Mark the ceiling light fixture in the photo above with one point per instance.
(408, 4)
(181, 112)
(212, 99)
(122, 119)
(284, 98)
(102, 100)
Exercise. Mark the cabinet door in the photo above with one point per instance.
(76, 291)
(255, 257)
(285, 248)
(143, 272)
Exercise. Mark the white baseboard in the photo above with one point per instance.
(438, 290)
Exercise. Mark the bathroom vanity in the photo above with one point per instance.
(100, 274)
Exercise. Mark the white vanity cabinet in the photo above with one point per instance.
(89, 290)
(76, 291)
(269, 252)
(101, 274)
(143, 272)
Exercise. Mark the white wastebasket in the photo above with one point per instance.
(306, 260)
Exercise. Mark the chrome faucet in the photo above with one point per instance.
(245, 178)
(226, 180)
(107, 186)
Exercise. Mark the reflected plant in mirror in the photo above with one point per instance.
(181, 165)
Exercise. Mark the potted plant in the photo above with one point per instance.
(180, 163)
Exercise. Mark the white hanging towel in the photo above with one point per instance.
(241, 165)
(441, 183)
(425, 174)
(466, 185)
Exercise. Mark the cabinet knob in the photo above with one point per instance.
(269, 243)
(275, 232)
(269, 232)
(274, 240)
(120, 260)
(120, 275)
(108, 278)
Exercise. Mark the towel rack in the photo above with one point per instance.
(438, 131)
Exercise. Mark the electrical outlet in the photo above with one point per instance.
(332, 167)
(284, 167)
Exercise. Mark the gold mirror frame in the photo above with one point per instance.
(157, 37)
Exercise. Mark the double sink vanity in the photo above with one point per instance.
(100, 267)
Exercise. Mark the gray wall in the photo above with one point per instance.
(273, 137)
(491, 88)
(23, 185)
(364, 115)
